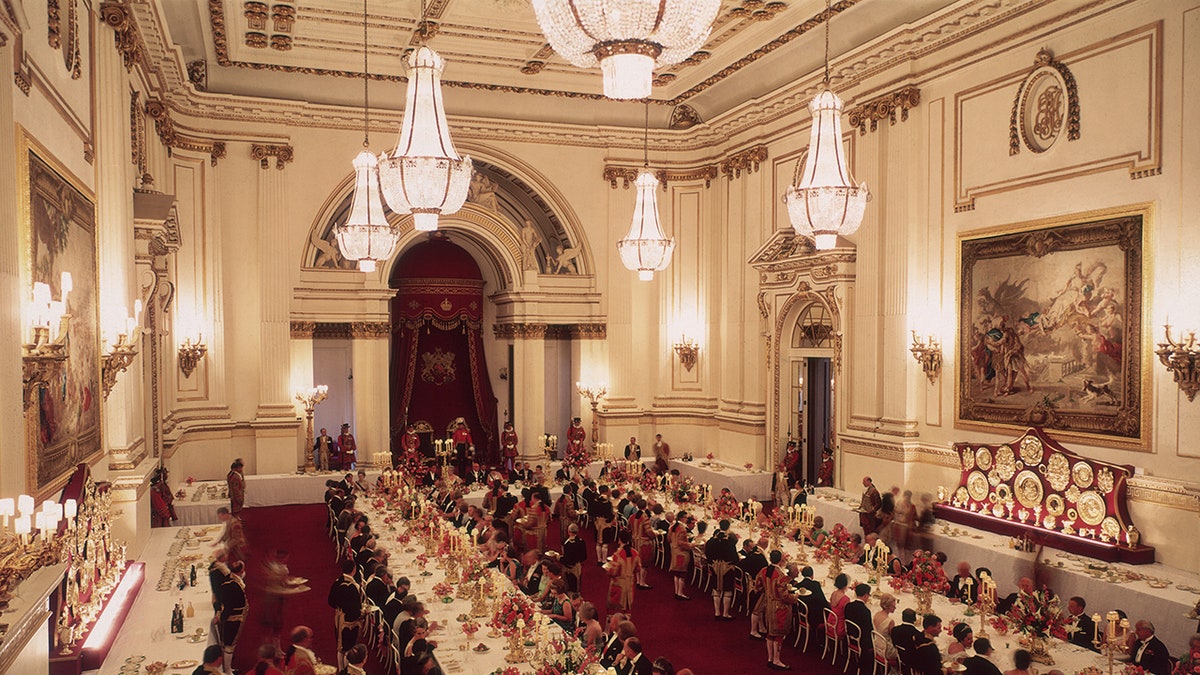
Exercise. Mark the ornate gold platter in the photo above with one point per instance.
(1028, 488)
(1072, 494)
(1111, 527)
(968, 458)
(1072, 514)
(983, 458)
(977, 486)
(1091, 508)
(1004, 492)
(1104, 480)
(1006, 463)
(1081, 473)
(1054, 504)
(1058, 472)
(1031, 451)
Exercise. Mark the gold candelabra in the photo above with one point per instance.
(309, 398)
(117, 361)
(1112, 642)
(688, 349)
(42, 358)
(1180, 360)
(190, 354)
(593, 393)
(928, 353)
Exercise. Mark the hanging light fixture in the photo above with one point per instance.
(626, 38)
(645, 249)
(424, 174)
(366, 236)
(826, 202)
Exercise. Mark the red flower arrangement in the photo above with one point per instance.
(1189, 664)
(709, 457)
(512, 608)
(443, 590)
(727, 506)
(566, 656)
(576, 457)
(749, 466)
(648, 482)
(511, 670)
(837, 543)
(1000, 624)
(774, 523)
(1037, 614)
(927, 573)
(685, 492)
(1131, 669)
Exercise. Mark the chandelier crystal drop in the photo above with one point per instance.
(424, 175)
(628, 39)
(645, 249)
(826, 203)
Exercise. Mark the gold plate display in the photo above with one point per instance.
(1004, 492)
(1081, 473)
(993, 478)
(1104, 480)
(1006, 463)
(977, 486)
(1091, 508)
(1028, 488)
(1031, 451)
(1058, 472)
(961, 495)
(1055, 505)
(983, 458)
(968, 458)
(1072, 494)
(1111, 527)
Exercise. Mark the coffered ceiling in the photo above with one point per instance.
(498, 61)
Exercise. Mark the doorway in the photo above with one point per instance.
(810, 414)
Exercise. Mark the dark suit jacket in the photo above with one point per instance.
(753, 563)
(816, 600)
(1154, 658)
(643, 666)
(957, 589)
(904, 636)
(504, 504)
(612, 649)
(979, 665)
(574, 551)
(1086, 631)
(859, 614)
(926, 657)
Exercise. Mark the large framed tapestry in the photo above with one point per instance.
(58, 234)
(1050, 328)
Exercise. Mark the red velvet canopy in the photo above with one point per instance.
(439, 370)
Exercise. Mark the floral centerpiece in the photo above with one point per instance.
(1000, 624)
(576, 457)
(1038, 615)
(926, 573)
(1189, 664)
(648, 482)
(510, 609)
(774, 525)
(511, 670)
(685, 492)
(836, 545)
(566, 656)
(470, 628)
(444, 591)
(727, 506)
(749, 466)
(412, 464)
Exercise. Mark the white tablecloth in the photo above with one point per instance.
(261, 490)
(744, 484)
(1066, 575)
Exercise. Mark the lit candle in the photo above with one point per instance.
(7, 509)
(25, 504)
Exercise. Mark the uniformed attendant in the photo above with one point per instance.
(236, 483)
(232, 611)
(573, 556)
(508, 444)
(346, 599)
(721, 552)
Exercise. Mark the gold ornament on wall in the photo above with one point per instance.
(928, 353)
(190, 354)
(688, 350)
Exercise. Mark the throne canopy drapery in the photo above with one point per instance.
(438, 367)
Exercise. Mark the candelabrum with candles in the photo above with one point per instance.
(986, 602)
(122, 352)
(1112, 644)
(928, 353)
(190, 354)
(309, 398)
(43, 356)
(593, 393)
(1179, 357)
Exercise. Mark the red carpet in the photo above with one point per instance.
(683, 632)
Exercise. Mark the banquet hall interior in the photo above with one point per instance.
(784, 248)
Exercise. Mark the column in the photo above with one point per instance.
(529, 358)
(372, 422)
(12, 294)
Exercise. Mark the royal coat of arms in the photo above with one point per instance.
(438, 368)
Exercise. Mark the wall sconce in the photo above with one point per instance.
(122, 352)
(1180, 360)
(190, 354)
(43, 356)
(688, 350)
(593, 393)
(928, 353)
(309, 398)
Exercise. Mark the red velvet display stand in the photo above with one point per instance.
(1108, 552)
(89, 653)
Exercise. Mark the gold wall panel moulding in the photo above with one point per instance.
(868, 114)
(684, 116)
(885, 451)
(172, 138)
(520, 331)
(1047, 102)
(1150, 489)
(303, 330)
(283, 17)
(256, 40)
(116, 15)
(542, 331)
(627, 175)
(280, 42)
(262, 152)
(746, 160)
(256, 14)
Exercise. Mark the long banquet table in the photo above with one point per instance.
(1104, 585)
(199, 503)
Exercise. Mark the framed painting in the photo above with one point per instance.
(58, 220)
(1050, 328)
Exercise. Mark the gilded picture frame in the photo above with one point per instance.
(1051, 328)
(58, 233)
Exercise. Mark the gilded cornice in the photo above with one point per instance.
(884, 107)
(340, 330)
(170, 136)
(520, 331)
(627, 175)
(746, 160)
(116, 15)
(542, 331)
(262, 152)
(1167, 493)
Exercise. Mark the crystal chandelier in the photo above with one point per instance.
(826, 202)
(626, 38)
(645, 249)
(424, 175)
(366, 236)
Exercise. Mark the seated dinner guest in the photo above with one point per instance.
(1149, 652)
(926, 658)
(884, 623)
(964, 586)
(964, 638)
(1082, 629)
(1021, 662)
(981, 664)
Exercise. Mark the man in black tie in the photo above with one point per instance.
(1082, 629)
(905, 634)
(1149, 652)
(753, 560)
(815, 599)
(859, 614)
(633, 451)
(926, 657)
(964, 586)
(574, 554)
(980, 664)
(476, 476)
(635, 662)
(620, 629)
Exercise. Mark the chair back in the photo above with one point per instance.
(802, 613)
(880, 645)
(853, 638)
(831, 622)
